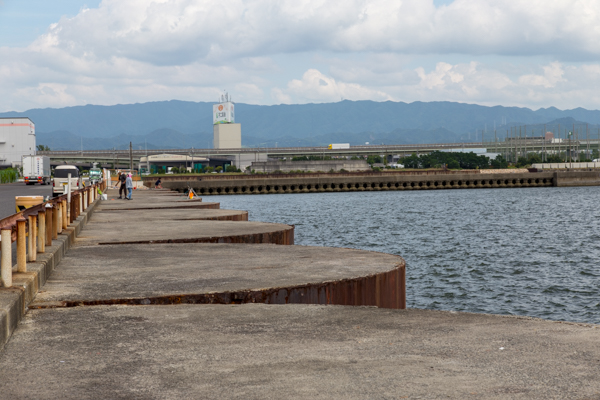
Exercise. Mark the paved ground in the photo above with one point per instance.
(8, 192)
(184, 214)
(150, 230)
(251, 351)
(137, 271)
(283, 352)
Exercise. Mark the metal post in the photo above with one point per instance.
(69, 195)
(32, 238)
(49, 227)
(130, 158)
(6, 262)
(59, 218)
(21, 245)
(41, 232)
(65, 214)
(80, 209)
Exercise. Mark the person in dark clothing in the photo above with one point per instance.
(158, 184)
(122, 188)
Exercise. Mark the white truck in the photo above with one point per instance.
(338, 146)
(61, 179)
(36, 169)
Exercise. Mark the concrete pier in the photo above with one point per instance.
(145, 316)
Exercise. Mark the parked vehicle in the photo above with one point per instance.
(95, 175)
(36, 169)
(337, 146)
(61, 179)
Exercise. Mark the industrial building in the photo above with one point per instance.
(226, 133)
(17, 139)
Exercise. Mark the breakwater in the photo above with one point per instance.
(216, 184)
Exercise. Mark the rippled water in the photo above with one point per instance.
(530, 251)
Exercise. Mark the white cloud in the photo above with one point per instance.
(285, 51)
(553, 74)
(317, 87)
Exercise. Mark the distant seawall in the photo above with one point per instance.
(217, 184)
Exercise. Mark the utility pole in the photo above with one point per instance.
(130, 158)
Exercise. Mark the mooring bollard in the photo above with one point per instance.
(41, 239)
(21, 245)
(49, 219)
(6, 262)
(32, 245)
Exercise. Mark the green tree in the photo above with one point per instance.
(499, 162)
(374, 159)
(41, 147)
(411, 161)
(453, 164)
(218, 169)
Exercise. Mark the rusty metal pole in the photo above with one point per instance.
(49, 227)
(21, 245)
(6, 261)
(59, 218)
(65, 215)
(72, 209)
(55, 223)
(78, 205)
(41, 232)
(32, 238)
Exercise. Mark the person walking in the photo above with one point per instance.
(122, 189)
(129, 185)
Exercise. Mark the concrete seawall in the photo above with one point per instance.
(310, 183)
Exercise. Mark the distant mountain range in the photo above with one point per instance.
(181, 124)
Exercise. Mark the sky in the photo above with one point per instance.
(525, 53)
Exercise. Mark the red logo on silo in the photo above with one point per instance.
(220, 108)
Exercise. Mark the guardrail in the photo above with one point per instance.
(42, 224)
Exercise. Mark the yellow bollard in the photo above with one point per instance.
(6, 261)
(21, 245)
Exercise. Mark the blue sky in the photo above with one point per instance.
(530, 53)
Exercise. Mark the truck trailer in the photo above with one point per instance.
(338, 146)
(36, 169)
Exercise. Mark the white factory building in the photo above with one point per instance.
(17, 139)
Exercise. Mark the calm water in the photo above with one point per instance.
(531, 251)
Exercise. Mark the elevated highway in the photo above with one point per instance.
(121, 157)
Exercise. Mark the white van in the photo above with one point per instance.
(61, 177)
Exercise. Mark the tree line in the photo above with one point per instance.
(440, 159)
